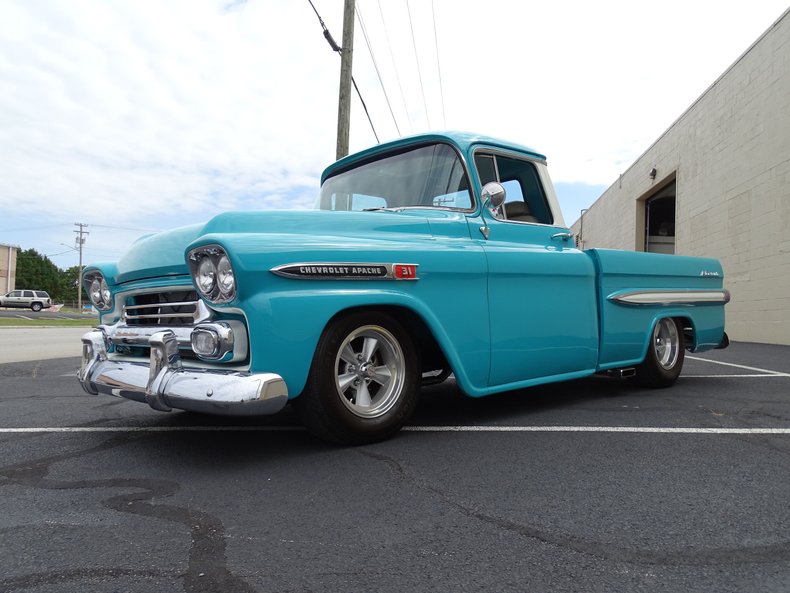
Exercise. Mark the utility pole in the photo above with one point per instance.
(344, 102)
(80, 241)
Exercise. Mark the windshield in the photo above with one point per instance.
(430, 176)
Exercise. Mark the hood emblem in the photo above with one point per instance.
(347, 271)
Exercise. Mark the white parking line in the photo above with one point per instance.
(734, 376)
(593, 429)
(620, 429)
(740, 366)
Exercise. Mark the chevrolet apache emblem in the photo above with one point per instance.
(347, 271)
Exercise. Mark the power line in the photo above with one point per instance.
(124, 228)
(395, 66)
(419, 71)
(365, 107)
(438, 64)
(61, 253)
(376, 67)
(327, 35)
(34, 228)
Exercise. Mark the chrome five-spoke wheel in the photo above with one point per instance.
(666, 341)
(363, 381)
(665, 354)
(370, 371)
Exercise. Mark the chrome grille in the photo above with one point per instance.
(162, 308)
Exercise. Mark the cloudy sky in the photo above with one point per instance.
(131, 116)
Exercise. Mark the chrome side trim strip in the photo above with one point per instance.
(671, 297)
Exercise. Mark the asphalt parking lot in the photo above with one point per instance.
(591, 485)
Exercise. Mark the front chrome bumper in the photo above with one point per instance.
(164, 384)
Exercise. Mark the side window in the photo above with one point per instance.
(525, 200)
(16, 294)
(485, 168)
(356, 202)
(27, 294)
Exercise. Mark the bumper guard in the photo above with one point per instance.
(164, 384)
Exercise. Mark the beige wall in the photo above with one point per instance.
(730, 156)
(7, 280)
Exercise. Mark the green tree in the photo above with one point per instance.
(69, 281)
(36, 272)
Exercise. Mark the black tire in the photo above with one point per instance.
(363, 381)
(665, 356)
(36, 307)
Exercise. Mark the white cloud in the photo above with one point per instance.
(146, 114)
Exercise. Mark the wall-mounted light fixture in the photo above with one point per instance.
(652, 173)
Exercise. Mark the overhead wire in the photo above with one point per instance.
(375, 65)
(438, 63)
(395, 66)
(417, 59)
(339, 50)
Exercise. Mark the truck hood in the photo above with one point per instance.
(163, 254)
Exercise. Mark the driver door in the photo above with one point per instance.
(541, 289)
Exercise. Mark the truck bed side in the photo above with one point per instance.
(634, 290)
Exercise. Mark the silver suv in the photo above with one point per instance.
(22, 299)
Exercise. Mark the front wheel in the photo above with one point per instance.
(363, 380)
(665, 354)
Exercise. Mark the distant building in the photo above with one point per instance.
(7, 268)
(717, 184)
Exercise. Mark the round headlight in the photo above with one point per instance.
(225, 279)
(105, 292)
(206, 275)
(96, 292)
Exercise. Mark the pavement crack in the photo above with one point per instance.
(39, 579)
(686, 556)
(208, 571)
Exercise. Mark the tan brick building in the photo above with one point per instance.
(717, 183)
(7, 268)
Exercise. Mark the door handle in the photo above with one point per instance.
(563, 236)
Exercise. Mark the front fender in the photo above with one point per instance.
(285, 328)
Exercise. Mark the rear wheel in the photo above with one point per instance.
(363, 380)
(36, 307)
(665, 355)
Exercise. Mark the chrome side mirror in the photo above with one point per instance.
(493, 194)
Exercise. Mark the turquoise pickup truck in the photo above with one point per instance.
(433, 255)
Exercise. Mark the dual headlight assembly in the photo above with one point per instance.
(98, 290)
(212, 273)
